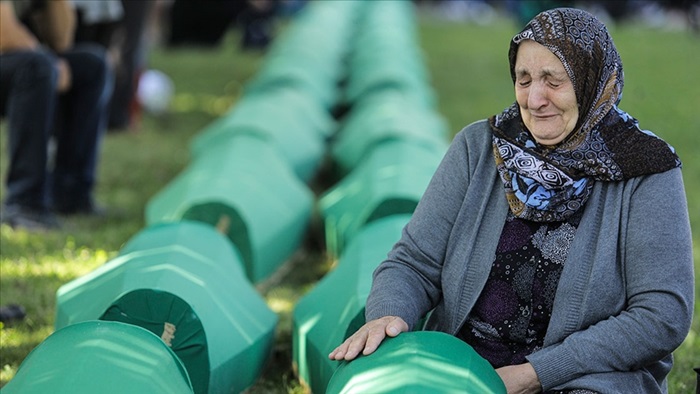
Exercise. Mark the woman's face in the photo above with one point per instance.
(544, 93)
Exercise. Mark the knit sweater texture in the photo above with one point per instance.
(625, 297)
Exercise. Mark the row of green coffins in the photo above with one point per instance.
(310, 56)
(179, 301)
(184, 284)
(223, 224)
(386, 150)
(385, 54)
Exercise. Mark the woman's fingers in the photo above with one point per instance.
(366, 341)
(352, 346)
(376, 334)
(339, 352)
(368, 338)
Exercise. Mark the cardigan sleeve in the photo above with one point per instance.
(656, 268)
(407, 283)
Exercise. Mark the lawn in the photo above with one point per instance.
(469, 71)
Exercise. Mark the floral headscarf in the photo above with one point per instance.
(548, 184)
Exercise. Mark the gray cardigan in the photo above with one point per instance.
(625, 297)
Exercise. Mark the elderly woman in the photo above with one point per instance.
(554, 238)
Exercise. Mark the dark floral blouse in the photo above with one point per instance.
(511, 316)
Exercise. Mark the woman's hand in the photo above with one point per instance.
(520, 378)
(368, 337)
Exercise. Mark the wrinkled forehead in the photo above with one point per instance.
(548, 29)
(527, 35)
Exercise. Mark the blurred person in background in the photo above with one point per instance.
(204, 22)
(121, 27)
(50, 89)
(133, 46)
(554, 237)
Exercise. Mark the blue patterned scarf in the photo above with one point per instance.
(547, 184)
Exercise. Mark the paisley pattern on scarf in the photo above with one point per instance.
(551, 183)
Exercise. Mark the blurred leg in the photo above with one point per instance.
(81, 122)
(27, 97)
(27, 87)
(133, 47)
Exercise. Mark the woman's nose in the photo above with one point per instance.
(537, 96)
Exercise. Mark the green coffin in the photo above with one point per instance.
(391, 180)
(100, 357)
(418, 362)
(243, 188)
(384, 116)
(289, 120)
(301, 72)
(385, 65)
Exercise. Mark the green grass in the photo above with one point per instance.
(469, 71)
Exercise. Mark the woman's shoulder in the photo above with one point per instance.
(476, 134)
(477, 129)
